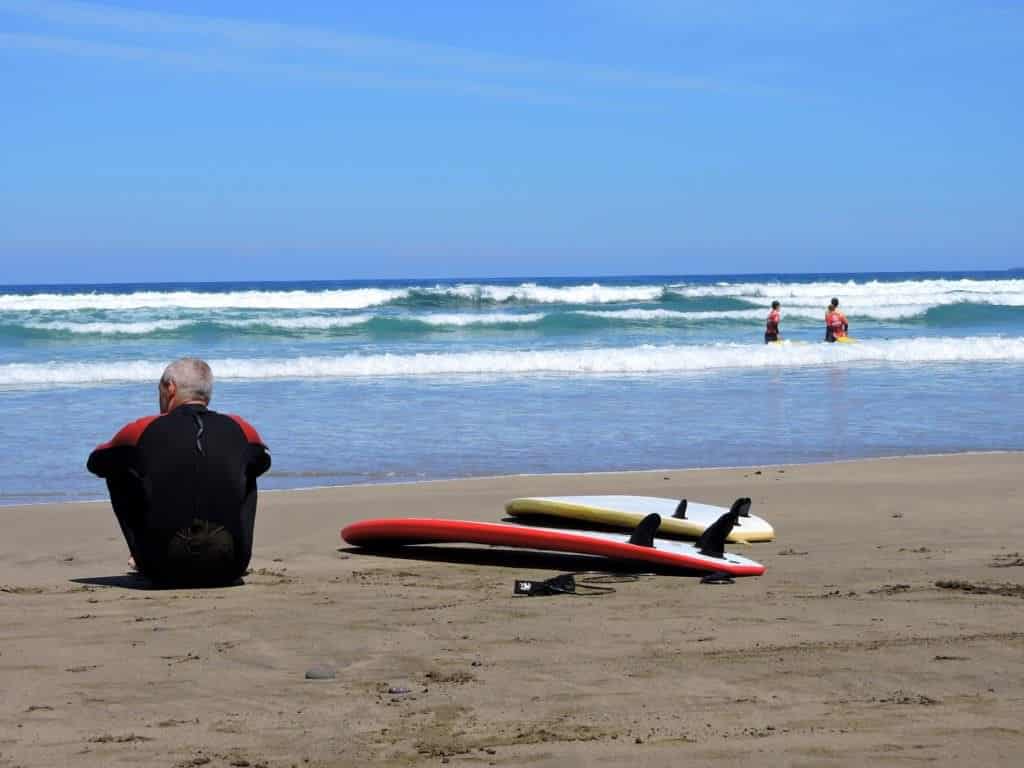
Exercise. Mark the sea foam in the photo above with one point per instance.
(872, 299)
(629, 361)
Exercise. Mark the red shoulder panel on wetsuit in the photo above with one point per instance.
(129, 434)
(250, 431)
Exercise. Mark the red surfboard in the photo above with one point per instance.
(388, 532)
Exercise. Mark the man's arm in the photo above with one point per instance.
(259, 454)
(115, 455)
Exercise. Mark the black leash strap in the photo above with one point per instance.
(568, 584)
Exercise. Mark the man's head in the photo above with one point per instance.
(188, 380)
(834, 303)
(776, 305)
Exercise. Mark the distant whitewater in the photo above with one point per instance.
(641, 371)
(266, 331)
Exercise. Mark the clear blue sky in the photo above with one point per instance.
(196, 140)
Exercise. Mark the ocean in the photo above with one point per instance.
(393, 381)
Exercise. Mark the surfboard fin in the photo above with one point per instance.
(680, 513)
(712, 541)
(643, 536)
(742, 509)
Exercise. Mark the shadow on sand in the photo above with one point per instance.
(514, 558)
(137, 581)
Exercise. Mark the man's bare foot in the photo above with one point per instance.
(131, 564)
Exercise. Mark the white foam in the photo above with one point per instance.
(870, 299)
(129, 327)
(594, 293)
(356, 298)
(646, 359)
(300, 323)
(789, 312)
(873, 298)
(644, 315)
(347, 321)
(489, 318)
(113, 329)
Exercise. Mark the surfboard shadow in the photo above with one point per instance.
(514, 558)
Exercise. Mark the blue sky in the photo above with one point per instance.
(325, 140)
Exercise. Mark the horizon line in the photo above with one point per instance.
(469, 278)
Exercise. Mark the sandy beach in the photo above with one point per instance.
(886, 631)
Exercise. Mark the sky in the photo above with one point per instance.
(205, 140)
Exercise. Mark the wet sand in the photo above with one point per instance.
(888, 630)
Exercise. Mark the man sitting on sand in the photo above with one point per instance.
(183, 484)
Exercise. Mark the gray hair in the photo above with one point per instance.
(193, 378)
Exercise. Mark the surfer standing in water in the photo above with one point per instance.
(836, 325)
(771, 331)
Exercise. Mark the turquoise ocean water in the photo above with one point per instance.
(386, 381)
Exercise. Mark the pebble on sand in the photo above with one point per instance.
(321, 672)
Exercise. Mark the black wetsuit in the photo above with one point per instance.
(183, 487)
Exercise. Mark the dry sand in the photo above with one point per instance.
(848, 651)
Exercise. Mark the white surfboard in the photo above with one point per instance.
(689, 519)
